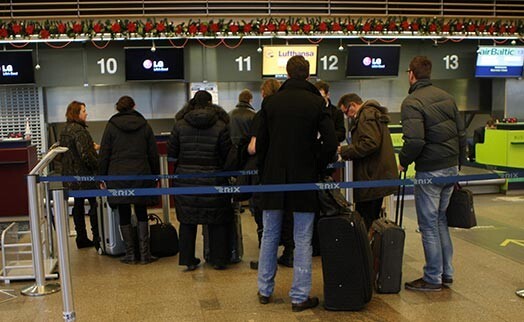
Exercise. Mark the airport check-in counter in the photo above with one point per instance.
(503, 146)
(17, 158)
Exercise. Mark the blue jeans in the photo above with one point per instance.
(267, 263)
(431, 201)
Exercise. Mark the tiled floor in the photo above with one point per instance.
(487, 276)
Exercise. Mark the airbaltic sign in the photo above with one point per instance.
(499, 61)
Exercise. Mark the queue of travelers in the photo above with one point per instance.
(291, 139)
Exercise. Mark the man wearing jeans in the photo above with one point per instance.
(295, 141)
(434, 138)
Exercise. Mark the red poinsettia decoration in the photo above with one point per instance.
(116, 28)
(44, 34)
(77, 28)
(122, 29)
(29, 29)
(160, 27)
(97, 28)
(61, 28)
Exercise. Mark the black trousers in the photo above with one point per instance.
(369, 210)
(79, 217)
(218, 244)
(124, 211)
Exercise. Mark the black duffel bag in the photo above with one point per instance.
(163, 238)
(332, 201)
(460, 212)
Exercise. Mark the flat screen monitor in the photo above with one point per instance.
(274, 59)
(499, 61)
(17, 67)
(372, 61)
(142, 64)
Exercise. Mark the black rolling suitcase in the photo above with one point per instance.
(387, 245)
(346, 261)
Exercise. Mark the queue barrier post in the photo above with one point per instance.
(63, 255)
(39, 288)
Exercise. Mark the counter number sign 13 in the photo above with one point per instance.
(451, 62)
(109, 65)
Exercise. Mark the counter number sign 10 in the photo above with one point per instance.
(109, 65)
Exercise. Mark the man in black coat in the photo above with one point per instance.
(295, 142)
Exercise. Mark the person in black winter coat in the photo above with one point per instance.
(200, 143)
(80, 160)
(128, 147)
(335, 113)
(295, 141)
(241, 117)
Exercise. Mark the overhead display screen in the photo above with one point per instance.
(142, 64)
(372, 61)
(274, 59)
(499, 61)
(16, 67)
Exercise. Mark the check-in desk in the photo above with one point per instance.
(396, 137)
(17, 158)
(503, 146)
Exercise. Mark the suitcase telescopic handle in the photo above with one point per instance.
(399, 213)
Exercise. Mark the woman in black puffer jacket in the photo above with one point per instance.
(80, 160)
(128, 147)
(200, 141)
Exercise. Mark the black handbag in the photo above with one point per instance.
(163, 238)
(332, 201)
(460, 212)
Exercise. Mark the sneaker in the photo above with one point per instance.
(423, 286)
(447, 280)
(262, 299)
(310, 303)
(193, 266)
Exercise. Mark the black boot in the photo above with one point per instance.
(129, 240)
(143, 243)
(93, 218)
(287, 257)
(80, 227)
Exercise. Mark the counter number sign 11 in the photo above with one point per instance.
(243, 63)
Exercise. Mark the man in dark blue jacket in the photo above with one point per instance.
(435, 140)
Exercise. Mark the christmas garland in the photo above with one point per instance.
(315, 27)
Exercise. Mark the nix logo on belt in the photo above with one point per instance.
(121, 192)
(328, 185)
(84, 178)
(228, 189)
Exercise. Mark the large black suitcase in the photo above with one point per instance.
(346, 261)
(387, 245)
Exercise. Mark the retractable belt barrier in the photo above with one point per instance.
(289, 187)
(239, 173)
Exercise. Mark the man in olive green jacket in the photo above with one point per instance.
(371, 151)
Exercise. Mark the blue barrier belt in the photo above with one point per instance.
(162, 176)
(289, 187)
